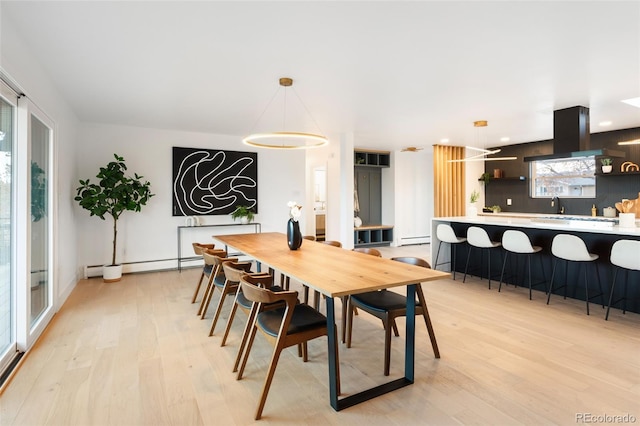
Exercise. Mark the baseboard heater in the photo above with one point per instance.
(407, 241)
(148, 266)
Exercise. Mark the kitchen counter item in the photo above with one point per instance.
(609, 212)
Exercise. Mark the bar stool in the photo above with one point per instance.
(625, 254)
(518, 243)
(446, 234)
(477, 237)
(572, 248)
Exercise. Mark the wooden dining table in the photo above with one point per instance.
(335, 272)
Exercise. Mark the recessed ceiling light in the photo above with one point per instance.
(445, 140)
(633, 101)
(505, 139)
(605, 123)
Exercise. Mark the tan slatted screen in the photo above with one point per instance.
(449, 187)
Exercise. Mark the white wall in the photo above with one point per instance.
(151, 234)
(25, 70)
(413, 194)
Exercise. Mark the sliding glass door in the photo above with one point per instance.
(8, 349)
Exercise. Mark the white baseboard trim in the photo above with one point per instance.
(129, 268)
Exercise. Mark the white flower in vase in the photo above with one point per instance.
(294, 210)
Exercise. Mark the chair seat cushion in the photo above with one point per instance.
(304, 318)
(207, 269)
(380, 300)
(219, 280)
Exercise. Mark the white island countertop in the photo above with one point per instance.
(575, 223)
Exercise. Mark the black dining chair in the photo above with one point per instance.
(388, 305)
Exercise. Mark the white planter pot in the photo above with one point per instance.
(607, 169)
(627, 220)
(472, 210)
(244, 220)
(111, 273)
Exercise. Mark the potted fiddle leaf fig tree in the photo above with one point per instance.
(114, 194)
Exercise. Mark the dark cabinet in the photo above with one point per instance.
(369, 184)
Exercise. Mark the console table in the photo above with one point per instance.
(227, 228)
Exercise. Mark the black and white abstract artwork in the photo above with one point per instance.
(213, 182)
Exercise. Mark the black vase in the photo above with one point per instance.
(294, 237)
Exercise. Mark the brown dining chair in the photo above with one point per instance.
(198, 248)
(231, 284)
(215, 278)
(388, 305)
(332, 243)
(259, 279)
(293, 324)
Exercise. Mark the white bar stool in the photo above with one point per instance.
(572, 248)
(446, 234)
(518, 243)
(625, 254)
(477, 237)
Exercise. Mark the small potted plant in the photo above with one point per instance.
(114, 194)
(473, 210)
(244, 213)
(607, 165)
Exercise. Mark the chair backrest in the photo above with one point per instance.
(570, 247)
(260, 279)
(217, 258)
(332, 243)
(626, 254)
(234, 270)
(198, 248)
(478, 237)
(368, 250)
(412, 261)
(309, 237)
(254, 293)
(445, 233)
(516, 241)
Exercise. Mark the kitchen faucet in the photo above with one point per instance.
(559, 209)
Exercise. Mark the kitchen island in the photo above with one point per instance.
(598, 233)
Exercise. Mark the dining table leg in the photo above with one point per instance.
(332, 351)
(410, 339)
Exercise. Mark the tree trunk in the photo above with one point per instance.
(115, 236)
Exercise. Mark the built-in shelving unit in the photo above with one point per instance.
(370, 236)
(507, 179)
(618, 174)
(371, 158)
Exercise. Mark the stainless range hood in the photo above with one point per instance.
(571, 136)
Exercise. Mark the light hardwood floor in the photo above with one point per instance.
(135, 353)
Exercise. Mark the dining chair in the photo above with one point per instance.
(215, 277)
(198, 248)
(259, 279)
(388, 305)
(229, 287)
(293, 324)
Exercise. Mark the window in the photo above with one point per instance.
(564, 177)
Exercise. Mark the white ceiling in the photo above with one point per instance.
(393, 73)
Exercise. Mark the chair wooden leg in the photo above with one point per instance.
(207, 290)
(207, 300)
(427, 320)
(232, 315)
(395, 328)
(216, 315)
(252, 336)
(349, 326)
(345, 307)
(195, 294)
(245, 337)
(267, 382)
(387, 346)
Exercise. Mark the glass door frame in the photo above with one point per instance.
(9, 353)
(28, 333)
